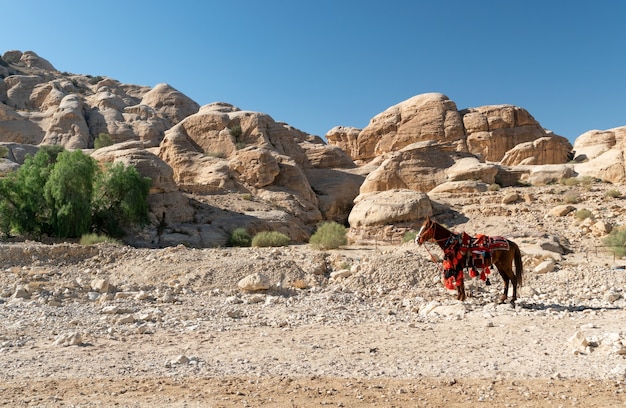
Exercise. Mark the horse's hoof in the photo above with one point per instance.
(502, 300)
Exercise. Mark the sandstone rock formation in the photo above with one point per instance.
(217, 167)
(600, 154)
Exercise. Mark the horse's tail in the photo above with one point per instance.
(519, 265)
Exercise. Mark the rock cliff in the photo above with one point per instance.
(218, 167)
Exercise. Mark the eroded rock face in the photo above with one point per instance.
(424, 117)
(495, 129)
(545, 150)
(600, 154)
(419, 167)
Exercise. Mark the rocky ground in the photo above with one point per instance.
(360, 326)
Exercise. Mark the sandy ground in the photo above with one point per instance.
(370, 326)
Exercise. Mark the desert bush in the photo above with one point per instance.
(616, 240)
(570, 181)
(583, 214)
(494, 187)
(103, 140)
(239, 238)
(586, 182)
(247, 196)
(613, 194)
(329, 235)
(409, 236)
(93, 238)
(270, 239)
(571, 198)
(236, 131)
(4, 151)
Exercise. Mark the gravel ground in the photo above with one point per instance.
(360, 326)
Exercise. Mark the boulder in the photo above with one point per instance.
(465, 186)
(254, 282)
(545, 174)
(470, 168)
(389, 207)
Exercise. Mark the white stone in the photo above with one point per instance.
(255, 281)
(545, 266)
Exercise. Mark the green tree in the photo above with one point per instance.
(23, 208)
(120, 197)
(68, 193)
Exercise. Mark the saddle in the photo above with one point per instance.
(473, 253)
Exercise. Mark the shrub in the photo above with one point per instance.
(270, 239)
(570, 181)
(239, 238)
(613, 194)
(494, 187)
(236, 131)
(4, 151)
(583, 214)
(91, 239)
(329, 235)
(616, 240)
(587, 181)
(410, 236)
(571, 198)
(103, 140)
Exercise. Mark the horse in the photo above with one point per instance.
(503, 258)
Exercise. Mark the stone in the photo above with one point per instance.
(510, 198)
(579, 342)
(68, 339)
(545, 266)
(99, 285)
(253, 282)
(340, 274)
(561, 210)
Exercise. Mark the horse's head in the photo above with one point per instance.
(426, 232)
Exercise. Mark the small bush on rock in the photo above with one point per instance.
(270, 239)
(329, 235)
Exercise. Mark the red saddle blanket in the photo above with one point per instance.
(485, 243)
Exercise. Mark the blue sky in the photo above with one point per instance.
(324, 63)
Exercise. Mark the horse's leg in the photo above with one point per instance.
(461, 292)
(505, 279)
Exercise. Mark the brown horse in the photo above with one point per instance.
(502, 258)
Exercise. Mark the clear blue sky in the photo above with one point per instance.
(323, 63)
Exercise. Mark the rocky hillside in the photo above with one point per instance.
(217, 167)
